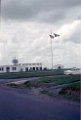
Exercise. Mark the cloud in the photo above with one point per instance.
(26, 26)
(38, 10)
(76, 36)
(30, 42)
(71, 32)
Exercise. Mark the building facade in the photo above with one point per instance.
(18, 67)
(58, 66)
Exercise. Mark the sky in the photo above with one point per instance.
(25, 26)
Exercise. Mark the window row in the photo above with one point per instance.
(31, 64)
(22, 69)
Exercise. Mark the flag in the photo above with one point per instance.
(51, 36)
(56, 35)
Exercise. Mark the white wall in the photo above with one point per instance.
(20, 67)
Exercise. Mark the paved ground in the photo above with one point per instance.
(15, 106)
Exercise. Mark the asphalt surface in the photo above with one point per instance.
(15, 106)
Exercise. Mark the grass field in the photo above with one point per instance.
(71, 91)
(49, 81)
(75, 85)
(31, 74)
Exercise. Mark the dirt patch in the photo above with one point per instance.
(70, 91)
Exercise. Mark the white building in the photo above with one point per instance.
(17, 67)
(73, 71)
(58, 66)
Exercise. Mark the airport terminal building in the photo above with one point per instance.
(18, 67)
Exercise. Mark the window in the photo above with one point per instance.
(1, 69)
(13, 68)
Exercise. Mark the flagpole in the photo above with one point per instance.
(52, 37)
(52, 53)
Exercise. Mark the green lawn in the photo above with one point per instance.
(60, 79)
(53, 80)
(70, 91)
(30, 74)
(75, 86)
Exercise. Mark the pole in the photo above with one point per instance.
(52, 36)
(52, 53)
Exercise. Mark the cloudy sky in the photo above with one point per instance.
(26, 25)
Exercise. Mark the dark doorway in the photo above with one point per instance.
(37, 68)
(26, 69)
(40, 68)
(33, 68)
(7, 69)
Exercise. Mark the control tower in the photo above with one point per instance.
(15, 62)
